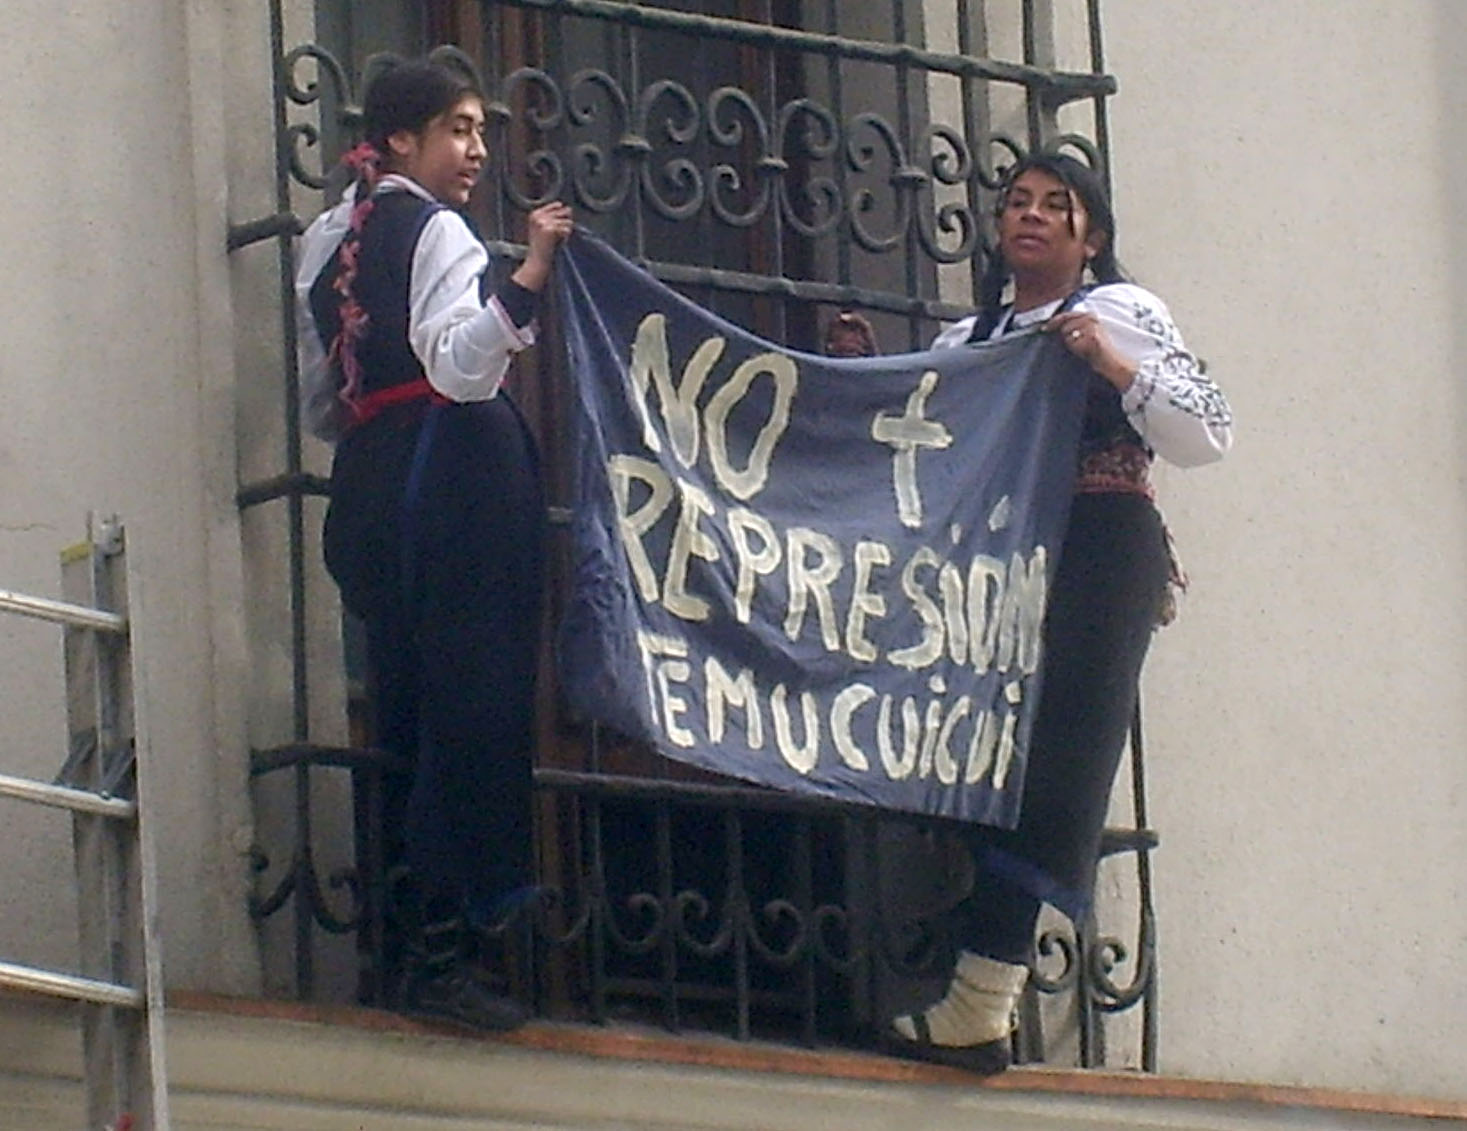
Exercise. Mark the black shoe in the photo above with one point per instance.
(987, 1059)
(456, 994)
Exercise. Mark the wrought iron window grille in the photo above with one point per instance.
(800, 189)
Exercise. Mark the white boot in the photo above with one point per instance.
(978, 1008)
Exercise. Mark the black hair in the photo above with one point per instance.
(1086, 184)
(407, 94)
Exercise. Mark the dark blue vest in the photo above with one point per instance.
(384, 267)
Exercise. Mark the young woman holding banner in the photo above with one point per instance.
(434, 527)
(1147, 396)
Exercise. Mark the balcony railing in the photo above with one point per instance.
(723, 908)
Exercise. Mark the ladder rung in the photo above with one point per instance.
(64, 797)
(69, 986)
(60, 612)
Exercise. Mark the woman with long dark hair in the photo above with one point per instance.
(434, 529)
(1055, 269)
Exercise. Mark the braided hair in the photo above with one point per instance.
(402, 95)
(1085, 183)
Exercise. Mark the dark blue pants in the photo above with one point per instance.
(1101, 613)
(435, 535)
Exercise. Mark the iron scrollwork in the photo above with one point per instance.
(679, 127)
(952, 166)
(1107, 954)
(308, 135)
(596, 164)
(543, 113)
(817, 142)
(302, 881)
(861, 157)
(727, 157)
(726, 130)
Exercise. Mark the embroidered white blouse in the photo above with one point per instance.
(1178, 411)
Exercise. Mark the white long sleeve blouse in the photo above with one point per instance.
(1177, 410)
(463, 343)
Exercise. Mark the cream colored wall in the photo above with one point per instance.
(119, 396)
(1289, 178)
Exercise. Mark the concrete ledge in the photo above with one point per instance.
(753, 1056)
(249, 1065)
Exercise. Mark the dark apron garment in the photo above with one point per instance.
(435, 535)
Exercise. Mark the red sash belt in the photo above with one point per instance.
(374, 403)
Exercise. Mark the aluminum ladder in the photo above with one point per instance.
(103, 783)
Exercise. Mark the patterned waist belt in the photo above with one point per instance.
(1124, 469)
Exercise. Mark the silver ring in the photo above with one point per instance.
(1074, 333)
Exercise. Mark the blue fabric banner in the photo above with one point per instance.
(826, 576)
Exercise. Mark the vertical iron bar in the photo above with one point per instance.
(904, 133)
(525, 974)
(1147, 954)
(293, 454)
(1031, 100)
(596, 893)
(776, 217)
(1030, 1037)
(350, 54)
(669, 935)
(553, 49)
(837, 95)
(597, 926)
(500, 172)
(734, 829)
(871, 919)
(376, 885)
(295, 504)
(707, 231)
(1084, 989)
(1039, 51)
(977, 124)
(1102, 115)
(632, 42)
(804, 902)
(1098, 1016)
(301, 915)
